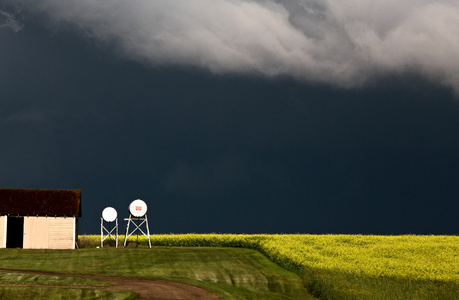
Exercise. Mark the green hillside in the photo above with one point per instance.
(270, 266)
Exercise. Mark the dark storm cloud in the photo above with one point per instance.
(341, 43)
(235, 152)
(209, 178)
(8, 21)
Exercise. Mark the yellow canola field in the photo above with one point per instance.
(413, 257)
(408, 256)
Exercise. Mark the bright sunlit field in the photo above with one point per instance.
(325, 266)
(354, 266)
(406, 256)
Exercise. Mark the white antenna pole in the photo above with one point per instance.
(101, 232)
(127, 230)
(148, 231)
(116, 232)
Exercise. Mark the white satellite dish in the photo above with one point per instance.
(109, 214)
(138, 212)
(138, 208)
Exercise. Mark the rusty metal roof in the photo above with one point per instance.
(40, 202)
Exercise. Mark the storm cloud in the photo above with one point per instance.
(8, 21)
(334, 42)
(237, 116)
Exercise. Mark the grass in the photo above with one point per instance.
(339, 285)
(14, 278)
(231, 273)
(23, 293)
(328, 266)
(351, 266)
(47, 292)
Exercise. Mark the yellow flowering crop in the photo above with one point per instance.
(408, 256)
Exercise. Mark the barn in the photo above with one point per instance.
(39, 218)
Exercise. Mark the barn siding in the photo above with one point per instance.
(2, 232)
(49, 233)
(61, 233)
(36, 232)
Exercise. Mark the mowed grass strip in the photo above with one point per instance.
(26, 292)
(230, 272)
(46, 292)
(20, 278)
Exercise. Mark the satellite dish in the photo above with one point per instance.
(138, 208)
(109, 214)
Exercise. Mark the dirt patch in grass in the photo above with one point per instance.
(145, 288)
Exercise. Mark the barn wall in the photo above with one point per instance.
(49, 233)
(36, 232)
(61, 233)
(2, 232)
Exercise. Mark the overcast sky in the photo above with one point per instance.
(237, 116)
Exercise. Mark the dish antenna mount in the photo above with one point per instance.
(137, 212)
(109, 215)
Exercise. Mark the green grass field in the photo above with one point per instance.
(351, 266)
(48, 287)
(14, 278)
(232, 273)
(20, 293)
(241, 266)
